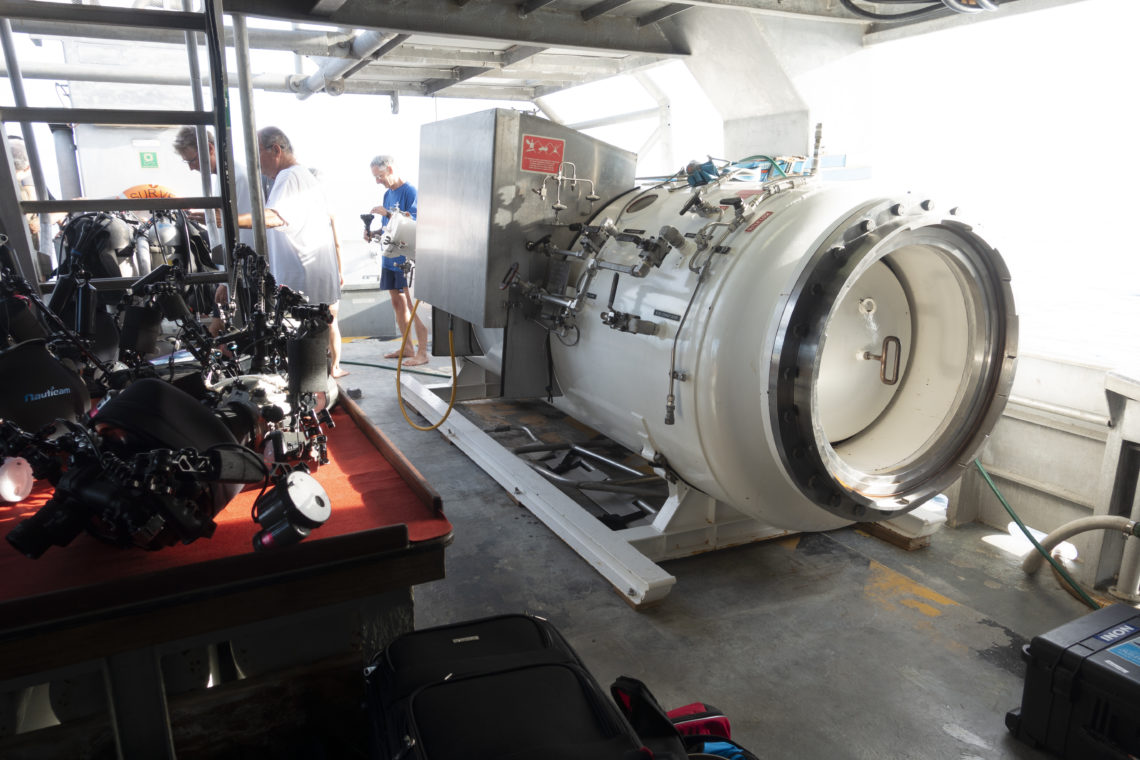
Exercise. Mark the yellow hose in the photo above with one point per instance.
(400, 362)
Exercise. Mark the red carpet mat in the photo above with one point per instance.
(365, 489)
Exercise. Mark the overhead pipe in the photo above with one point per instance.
(332, 70)
(302, 42)
(130, 75)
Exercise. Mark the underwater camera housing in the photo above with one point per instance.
(154, 471)
(38, 389)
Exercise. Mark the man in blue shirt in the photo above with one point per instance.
(400, 197)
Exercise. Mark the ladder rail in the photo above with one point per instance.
(117, 116)
(124, 204)
(81, 15)
(209, 23)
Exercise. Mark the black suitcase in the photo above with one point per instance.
(501, 688)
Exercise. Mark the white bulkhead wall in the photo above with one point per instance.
(774, 77)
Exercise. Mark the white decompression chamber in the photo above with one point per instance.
(797, 350)
(831, 360)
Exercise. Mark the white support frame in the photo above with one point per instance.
(689, 522)
(637, 579)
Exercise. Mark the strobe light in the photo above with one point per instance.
(290, 511)
(16, 479)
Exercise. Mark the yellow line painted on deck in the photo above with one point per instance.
(892, 590)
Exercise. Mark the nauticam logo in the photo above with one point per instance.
(49, 393)
(1117, 633)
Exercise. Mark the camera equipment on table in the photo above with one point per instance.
(159, 459)
(162, 295)
(29, 318)
(38, 388)
(290, 511)
(152, 468)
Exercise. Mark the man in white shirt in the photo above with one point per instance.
(303, 250)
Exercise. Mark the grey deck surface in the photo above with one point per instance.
(834, 645)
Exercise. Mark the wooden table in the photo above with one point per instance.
(125, 608)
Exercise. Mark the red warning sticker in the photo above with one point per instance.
(541, 154)
(756, 224)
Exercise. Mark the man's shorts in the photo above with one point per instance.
(391, 276)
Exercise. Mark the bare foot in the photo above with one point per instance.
(396, 355)
(338, 373)
(415, 360)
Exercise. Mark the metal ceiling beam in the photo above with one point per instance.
(541, 91)
(598, 9)
(327, 7)
(463, 73)
(524, 94)
(822, 9)
(459, 74)
(359, 86)
(539, 70)
(530, 6)
(539, 77)
(420, 55)
(384, 72)
(486, 21)
(332, 70)
(520, 53)
(384, 50)
(438, 56)
(662, 13)
(628, 65)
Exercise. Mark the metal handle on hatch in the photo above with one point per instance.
(512, 273)
(884, 359)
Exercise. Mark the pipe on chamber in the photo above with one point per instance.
(1033, 561)
(841, 358)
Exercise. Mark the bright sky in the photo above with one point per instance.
(1030, 123)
